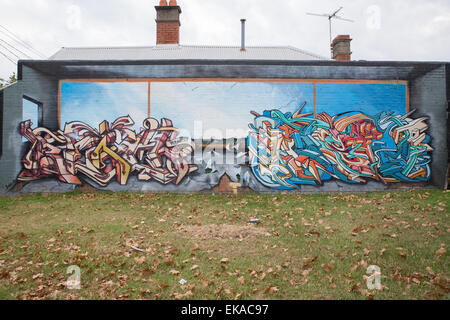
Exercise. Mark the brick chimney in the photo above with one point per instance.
(168, 22)
(340, 48)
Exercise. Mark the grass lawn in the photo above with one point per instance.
(139, 246)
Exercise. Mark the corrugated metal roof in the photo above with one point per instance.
(179, 52)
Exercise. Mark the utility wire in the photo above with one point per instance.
(18, 50)
(8, 58)
(15, 42)
(25, 44)
(15, 48)
(10, 51)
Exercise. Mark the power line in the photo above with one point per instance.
(26, 55)
(10, 51)
(24, 43)
(8, 58)
(20, 41)
(15, 41)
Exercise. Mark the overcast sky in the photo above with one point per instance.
(383, 29)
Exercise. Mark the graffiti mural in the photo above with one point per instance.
(114, 151)
(291, 149)
(310, 134)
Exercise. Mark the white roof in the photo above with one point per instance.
(179, 52)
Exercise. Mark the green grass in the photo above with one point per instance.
(307, 246)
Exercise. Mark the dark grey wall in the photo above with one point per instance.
(429, 98)
(39, 87)
(447, 71)
(428, 92)
(1, 122)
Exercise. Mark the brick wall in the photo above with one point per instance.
(168, 33)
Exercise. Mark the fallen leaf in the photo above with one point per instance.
(430, 271)
(147, 272)
(355, 288)
(188, 294)
(174, 272)
(306, 272)
(225, 260)
(140, 260)
(309, 262)
(271, 290)
(402, 255)
(440, 252)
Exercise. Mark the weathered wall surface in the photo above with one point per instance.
(39, 87)
(428, 97)
(214, 127)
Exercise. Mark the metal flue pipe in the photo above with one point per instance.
(243, 34)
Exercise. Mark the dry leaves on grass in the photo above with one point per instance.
(271, 290)
(441, 251)
(223, 232)
(140, 260)
(309, 262)
(186, 295)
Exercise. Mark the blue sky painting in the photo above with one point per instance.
(219, 106)
(225, 105)
(369, 98)
(93, 103)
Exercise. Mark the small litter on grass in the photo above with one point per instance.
(137, 249)
(183, 282)
(254, 221)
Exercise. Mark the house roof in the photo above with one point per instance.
(179, 52)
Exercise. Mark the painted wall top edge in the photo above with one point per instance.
(281, 80)
(237, 61)
(57, 69)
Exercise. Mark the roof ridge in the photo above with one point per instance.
(307, 52)
(184, 46)
(105, 47)
(170, 51)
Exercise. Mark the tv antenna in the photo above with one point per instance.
(330, 17)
